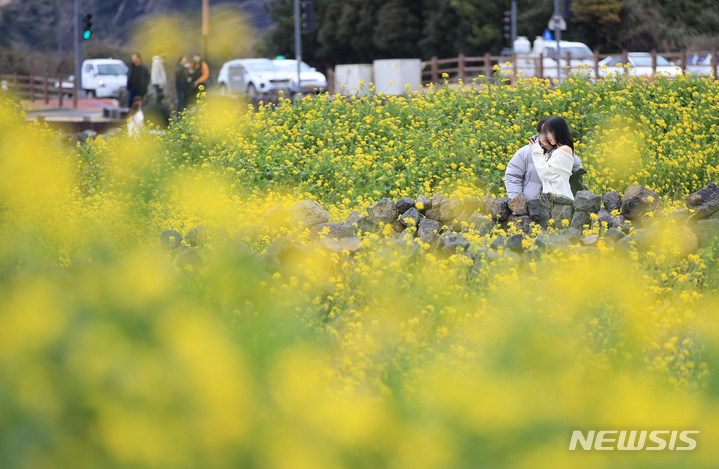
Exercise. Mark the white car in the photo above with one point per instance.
(254, 77)
(700, 64)
(581, 58)
(312, 80)
(103, 77)
(640, 65)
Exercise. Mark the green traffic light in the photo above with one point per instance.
(87, 34)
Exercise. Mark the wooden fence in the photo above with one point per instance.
(39, 88)
(464, 68)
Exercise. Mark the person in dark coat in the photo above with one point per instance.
(181, 83)
(158, 114)
(138, 79)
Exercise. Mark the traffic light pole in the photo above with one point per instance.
(78, 52)
(514, 23)
(298, 45)
(558, 38)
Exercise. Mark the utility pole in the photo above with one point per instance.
(514, 22)
(205, 27)
(298, 45)
(78, 51)
(558, 38)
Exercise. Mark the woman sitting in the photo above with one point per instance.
(555, 168)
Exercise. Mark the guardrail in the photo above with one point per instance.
(40, 88)
(462, 68)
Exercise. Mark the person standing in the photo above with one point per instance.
(138, 79)
(199, 75)
(158, 75)
(181, 84)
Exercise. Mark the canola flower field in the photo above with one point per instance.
(112, 356)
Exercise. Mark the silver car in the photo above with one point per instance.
(640, 65)
(257, 78)
(700, 64)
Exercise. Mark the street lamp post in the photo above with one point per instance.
(205, 26)
(298, 45)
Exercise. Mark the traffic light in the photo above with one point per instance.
(307, 17)
(568, 9)
(507, 21)
(87, 27)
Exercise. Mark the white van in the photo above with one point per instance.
(103, 77)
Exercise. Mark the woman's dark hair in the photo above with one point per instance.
(136, 105)
(541, 123)
(560, 129)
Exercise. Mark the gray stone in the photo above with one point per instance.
(425, 202)
(562, 212)
(349, 229)
(625, 245)
(470, 204)
(680, 216)
(478, 222)
(605, 216)
(433, 213)
(515, 243)
(585, 201)
(352, 244)
(498, 242)
(523, 223)
(707, 231)
(580, 220)
(573, 234)
(614, 234)
(398, 226)
(449, 209)
(518, 205)
(586, 250)
(326, 230)
(384, 211)
(540, 211)
(590, 240)
(562, 200)
(189, 256)
(331, 245)
(196, 236)
(170, 240)
(404, 204)
(410, 217)
(666, 240)
(555, 242)
(307, 213)
(499, 209)
(428, 226)
(705, 201)
(612, 201)
(637, 201)
(437, 200)
(484, 204)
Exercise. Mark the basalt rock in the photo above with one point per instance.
(612, 201)
(705, 201)
(307, 213)
(384, 211)
(585, 201)
(518, 205)
(638, 200)
(499, 209)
